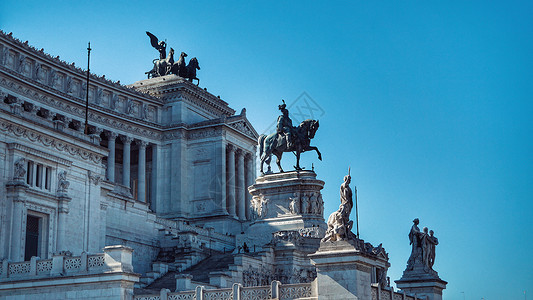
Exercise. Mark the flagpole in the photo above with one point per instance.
(356, 212)
(86, 131)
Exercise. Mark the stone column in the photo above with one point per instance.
(112, 136)
(231, 180)
(141, 187)
(249, 182)
(220, 180)
(62, 223)
(126, 159)
(241, 206)
(153, 178)
(17, 247)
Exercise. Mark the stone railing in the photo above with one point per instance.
(389, 294)
(237, 292)
(114, 259)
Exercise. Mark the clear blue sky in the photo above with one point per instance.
(429, 102)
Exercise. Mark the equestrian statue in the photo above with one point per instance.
(287, 138)
(165, 65)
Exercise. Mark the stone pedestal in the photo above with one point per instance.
(288, 201)
(344, 270)
(422, 284)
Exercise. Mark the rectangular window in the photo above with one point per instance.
(47, 175)
(39, 176)
(33, 230)
(29, 173)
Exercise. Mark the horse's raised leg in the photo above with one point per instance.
(316, 149)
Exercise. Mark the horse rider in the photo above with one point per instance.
(284, 125)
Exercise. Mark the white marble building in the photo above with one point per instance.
(156, 196)
(158, 150)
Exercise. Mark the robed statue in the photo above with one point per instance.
(287, 138)
(422, 248)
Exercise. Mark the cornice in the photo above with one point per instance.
(17, 130)
(38, 153)
(44, 94)
(71, 68)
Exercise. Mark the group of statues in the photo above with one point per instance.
(165, 65)
(423, 247)
(287, 138)
(339, 223)
(306, 203)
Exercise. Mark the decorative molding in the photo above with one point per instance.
(48, 141)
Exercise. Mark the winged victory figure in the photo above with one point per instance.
(160, 46)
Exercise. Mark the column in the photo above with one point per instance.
(249, 182)
(153, 181)
(231, 180)
(220, 171)
(112, 136)
(141, 187)
(126, 159)
(17, 247)
(241, 208)
(62, 244)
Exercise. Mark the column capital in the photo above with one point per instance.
(248, 156)
(231, 148)
(141, 143)
(239, 152)
(126, 139)
(111, 135)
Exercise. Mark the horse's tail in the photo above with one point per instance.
(261, 142)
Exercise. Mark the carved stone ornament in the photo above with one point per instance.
(62, 182)
(339, 224)
(19, 171)
(93, 178)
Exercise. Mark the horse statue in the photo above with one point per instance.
(191, 70)
(277, 144)
(186, 71)
(180, 67)
(162, 66)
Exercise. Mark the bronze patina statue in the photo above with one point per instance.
(287, 138)
(165, 65)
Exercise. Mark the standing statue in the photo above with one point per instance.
(415, 242)
(339, 224)
(423, 248)
(287, 139)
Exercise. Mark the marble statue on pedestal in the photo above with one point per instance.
(339, 224)
(422, 247)
(419, 276)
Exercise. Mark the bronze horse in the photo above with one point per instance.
(277, 144)
(186, 71)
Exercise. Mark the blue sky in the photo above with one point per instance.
(429, 102)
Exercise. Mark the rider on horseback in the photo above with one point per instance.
(284, 125)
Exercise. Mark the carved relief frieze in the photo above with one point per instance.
(204, 133)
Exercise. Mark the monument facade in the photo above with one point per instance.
(159, 198)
